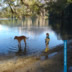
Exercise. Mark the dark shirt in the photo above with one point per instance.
(48, 37)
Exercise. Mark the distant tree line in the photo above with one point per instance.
(22, 8)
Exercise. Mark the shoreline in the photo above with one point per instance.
(13, 55)
(45, 62)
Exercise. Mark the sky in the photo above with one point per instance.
(4, 5)
(1, 1)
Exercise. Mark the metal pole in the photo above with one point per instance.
(65, 55)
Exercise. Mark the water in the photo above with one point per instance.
(35, 30)
(48, 56)
(70, 69)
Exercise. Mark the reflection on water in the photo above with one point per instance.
(70, 69)
(20, 51)
(63, 28)
(35, 30)
(48, 56)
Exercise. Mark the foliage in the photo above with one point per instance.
(20, 8)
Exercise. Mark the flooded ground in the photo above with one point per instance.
(36, 31)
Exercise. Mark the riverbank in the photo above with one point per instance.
(45, 62)
(6, 18)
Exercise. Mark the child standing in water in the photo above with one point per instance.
(47, 42)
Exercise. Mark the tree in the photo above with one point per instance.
(21, 8)
(56, 8)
